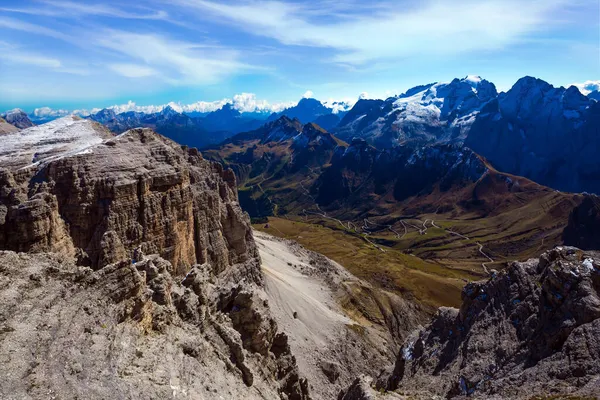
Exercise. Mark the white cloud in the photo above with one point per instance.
(66, 9)
(308, 94)
(179, 62)
(587, 86)
(390, 32)
(15, 24)
(30, 59)
(243, 102)
(363, 95)
(47, 112)
(247, 102)
(79, 8)
(132, 70)
(11, 54)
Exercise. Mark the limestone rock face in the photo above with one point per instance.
(137, 190)
(135, 331)
(531, 330)
(138, 275)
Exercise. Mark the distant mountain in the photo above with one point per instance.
(229, 119)
(198, 132)
(312, 110)
(307, 110)
(18, 118)
(594, 95)
(432, 113)
(548, 134)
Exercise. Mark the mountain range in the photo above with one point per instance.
(533, 130)
(132, 270)
(203, 129)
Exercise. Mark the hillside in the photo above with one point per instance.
(274, 162)
(442, 203)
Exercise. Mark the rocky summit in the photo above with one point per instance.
(137, 275)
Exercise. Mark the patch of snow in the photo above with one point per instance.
(407, 352)
(56, 139)
(588, 263)
(474, 80)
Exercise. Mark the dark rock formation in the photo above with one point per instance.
(583, 230)
(530, 330)
(546, 134)
(18, 118)
(359, 390)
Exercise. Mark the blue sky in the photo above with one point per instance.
(76, 54)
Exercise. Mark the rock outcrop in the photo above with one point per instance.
(530, 330)
(5, 127)
(18, 118)
(139, 276)
(136, 331)
(137, 190)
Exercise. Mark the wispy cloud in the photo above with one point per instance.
(179, 62)
(65, 9)
(390, 32)
(31, 59)
(133, 70)
(13, 55)
(16, 24)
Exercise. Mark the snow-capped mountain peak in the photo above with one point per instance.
(473, 80)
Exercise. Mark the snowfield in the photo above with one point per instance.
(62, 137)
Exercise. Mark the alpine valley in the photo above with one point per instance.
(441, 243)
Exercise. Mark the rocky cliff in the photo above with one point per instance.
(530, 330)
(135, 191)
(142, 279)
